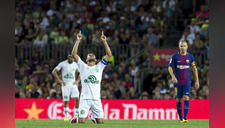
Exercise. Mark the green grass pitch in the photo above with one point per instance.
(112, 124)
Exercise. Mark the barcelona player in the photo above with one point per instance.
(179, 69)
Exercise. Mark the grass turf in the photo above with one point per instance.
(112, 124)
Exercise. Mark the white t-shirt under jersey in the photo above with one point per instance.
(91, 77)
(68, 71)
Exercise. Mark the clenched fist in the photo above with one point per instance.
(79, 36)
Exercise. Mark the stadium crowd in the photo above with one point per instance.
(141, 22)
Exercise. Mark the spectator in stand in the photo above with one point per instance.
(204, 93)
(133, 69)
(41, 40)
(188, 36)
(20, 83)
(120, 74)
(96, 40)
(144, 95)
(63, 39)
(34, 92)
(205, 32)
(29, 38)
(157, 77)
(198, 44)
(152, 42)
(72, 39)
(55, 34)
(203, 12)
(194, 27)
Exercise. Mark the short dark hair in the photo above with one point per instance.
(90, 53)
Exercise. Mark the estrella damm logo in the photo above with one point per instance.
(68, 76)
(91, 79)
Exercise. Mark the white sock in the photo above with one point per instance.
(66, 110)
(77, 119)
(76, 111)
(92, 118)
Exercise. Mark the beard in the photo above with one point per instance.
(70, 61)
(91, 60)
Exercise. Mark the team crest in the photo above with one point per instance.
(65, 97)
(187, 61)
(82, 112)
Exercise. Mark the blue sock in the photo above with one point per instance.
(186, 107)
(179, 110)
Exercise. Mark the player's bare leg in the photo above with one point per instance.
(186, 107)
(100, 120)
(66, 111)
(179, 109)
(81, 120)
(76, 107)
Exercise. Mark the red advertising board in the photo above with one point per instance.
(162, 56)
(113, 109)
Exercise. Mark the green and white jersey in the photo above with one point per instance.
(68, 71)
(91, 77)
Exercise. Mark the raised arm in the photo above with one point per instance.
(107, 49)
(75, 48)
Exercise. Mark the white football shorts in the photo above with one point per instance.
(94, 105)
(69, 91)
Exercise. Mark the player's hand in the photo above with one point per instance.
(62, 82)
(196, 84)
(174, 80)
(103, 37)
(79, 36)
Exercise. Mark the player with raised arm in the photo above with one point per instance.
(179, 69)
(91, 76)
(69, 84)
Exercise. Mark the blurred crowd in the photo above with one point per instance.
(141, 22)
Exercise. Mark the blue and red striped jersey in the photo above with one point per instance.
(181, 65)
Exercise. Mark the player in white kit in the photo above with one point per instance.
(69, 84)
(91, 76)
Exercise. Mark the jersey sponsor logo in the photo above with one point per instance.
(179, 61)
(183, 66)
(68, 76)
(91, 79)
